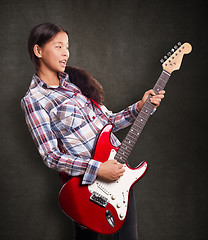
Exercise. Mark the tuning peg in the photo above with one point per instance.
(175, 47)
(172, 50)
(179, 43)
(165, 57)
(162, 60)
(169, 53)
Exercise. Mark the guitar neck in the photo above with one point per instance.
(139, 123)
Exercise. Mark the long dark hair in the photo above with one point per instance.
(88, 85)
(40, 35)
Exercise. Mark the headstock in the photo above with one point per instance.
(173, 60)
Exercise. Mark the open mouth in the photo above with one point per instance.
(63, 63)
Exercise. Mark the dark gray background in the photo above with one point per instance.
(120, 43)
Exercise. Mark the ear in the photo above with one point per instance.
(37, 51)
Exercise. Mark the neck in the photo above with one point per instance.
(49, 77)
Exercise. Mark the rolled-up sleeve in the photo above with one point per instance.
(123, 118)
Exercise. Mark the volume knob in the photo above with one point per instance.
(113, 197)
(121, 215)
(118, 205)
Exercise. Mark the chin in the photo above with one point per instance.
(61, 69)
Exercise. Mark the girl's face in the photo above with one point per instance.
(54, 54)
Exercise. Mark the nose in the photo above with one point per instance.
(66, 53)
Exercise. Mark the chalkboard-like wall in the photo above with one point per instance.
(120, 43)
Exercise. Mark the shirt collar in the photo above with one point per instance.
(62, 76)
(39, 88)
(64, 83)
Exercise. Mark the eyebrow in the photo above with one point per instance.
(60, 43)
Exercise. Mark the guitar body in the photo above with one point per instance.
(102, 206)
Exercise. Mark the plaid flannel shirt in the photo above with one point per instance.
(64, 125)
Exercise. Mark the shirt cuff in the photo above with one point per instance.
(91, 172)
(153, 111)
(134, 110)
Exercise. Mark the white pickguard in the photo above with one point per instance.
(117, 192)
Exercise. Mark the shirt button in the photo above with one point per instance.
(93, 117)
(75, 94)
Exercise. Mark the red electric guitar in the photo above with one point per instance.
(102, 206)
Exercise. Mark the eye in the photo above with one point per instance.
(58, 46)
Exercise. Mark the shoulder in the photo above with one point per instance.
(34, 91)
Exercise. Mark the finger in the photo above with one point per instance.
(162, 92)
(156, 103)
(155, 100)
(122, 170)
(120, 166)
(157, 97)
(120, 175)
(113, 161)
(151, 91)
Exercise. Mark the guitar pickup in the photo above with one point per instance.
(99, 199)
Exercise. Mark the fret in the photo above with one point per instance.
(126, 149)
(129, 142)
(160, 78)
(140, 119)
(134, 132)
(143, 115)
(131, 138)
(139, 123)
(166, 75)
(139, 126)
(122, 161)
(157, 88)
(149, 105)
(129, 146)
(145, 110)
(160, 83)
(119, 159)
(123, 154)
(119, 153)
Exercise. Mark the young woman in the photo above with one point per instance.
(64, 112)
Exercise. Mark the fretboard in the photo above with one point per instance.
(139, 123)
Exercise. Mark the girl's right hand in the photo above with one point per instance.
(110, 170)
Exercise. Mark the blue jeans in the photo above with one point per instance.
(128, 231)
